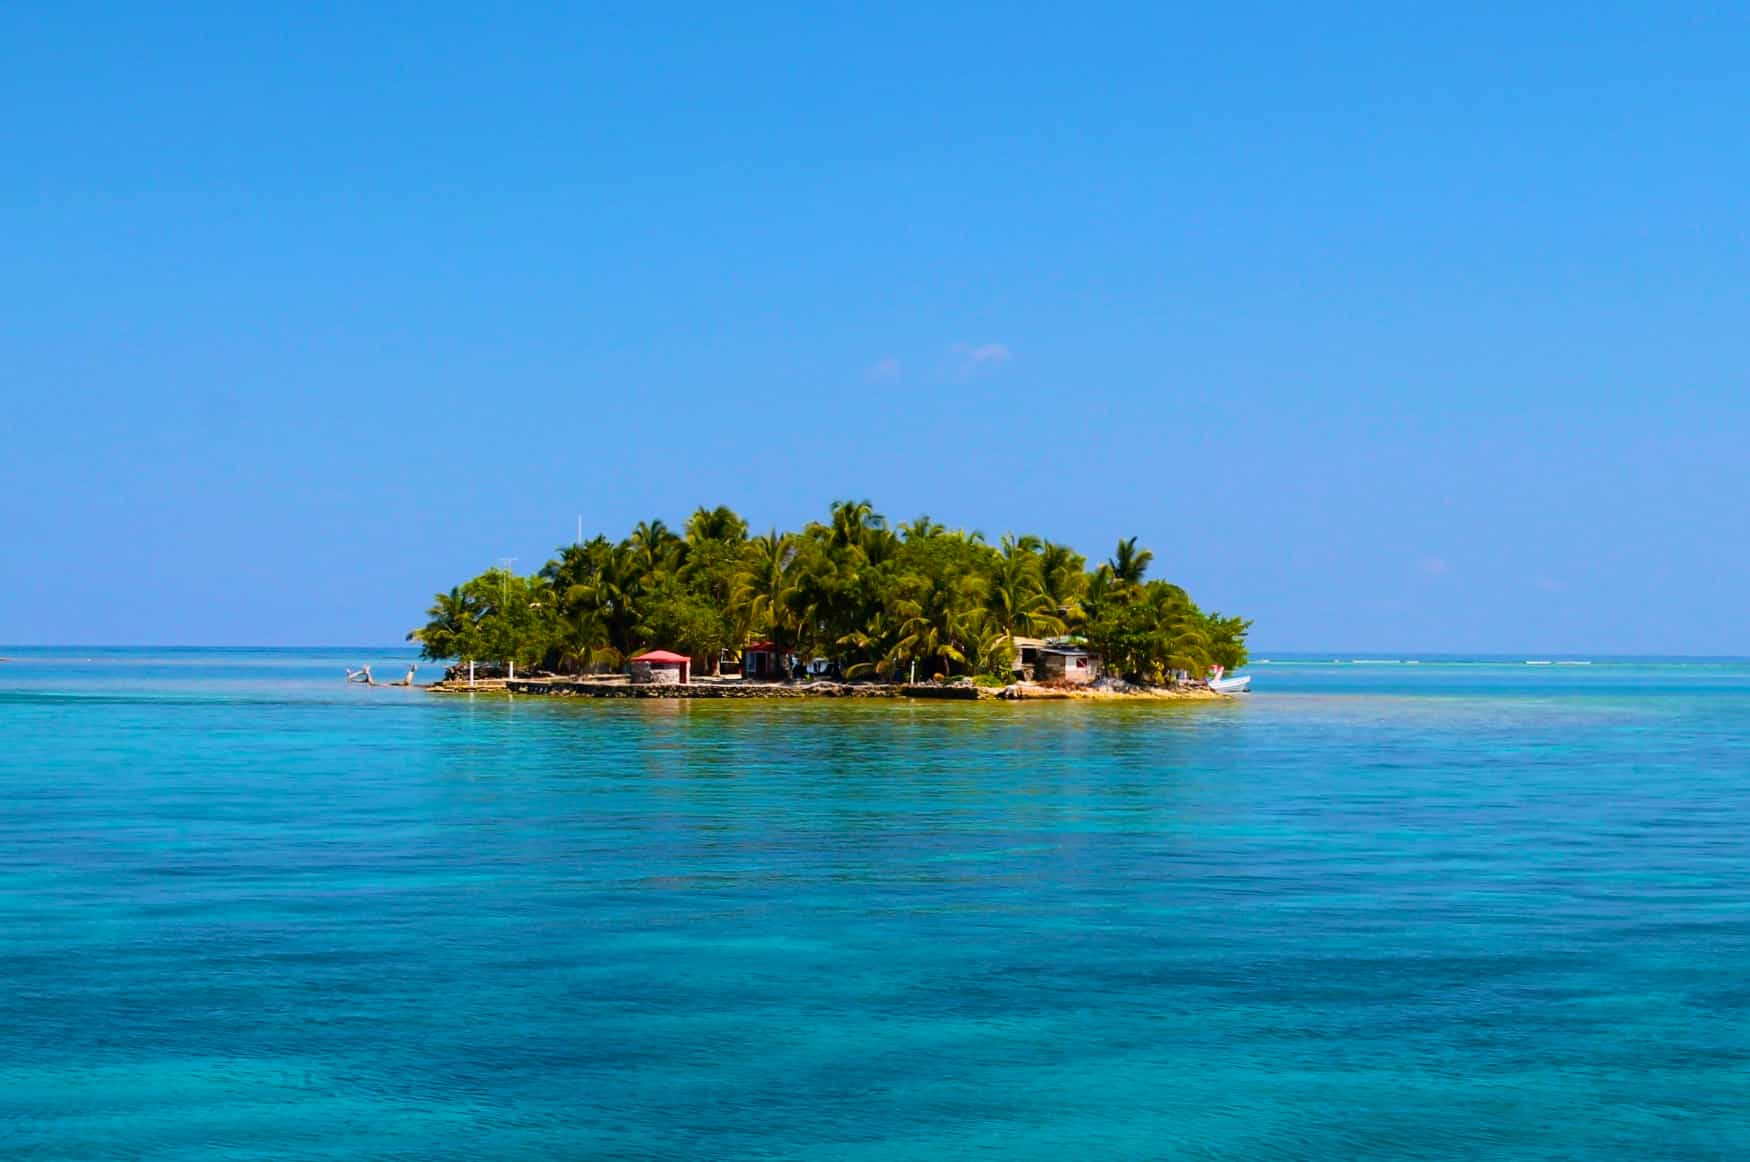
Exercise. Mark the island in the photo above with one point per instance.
(846, 607)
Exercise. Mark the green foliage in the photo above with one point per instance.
(851, 589)
(688, 623)
(516, 622)
(1227, 640)
(453, 628)
(1145, 631)
(1124, 636)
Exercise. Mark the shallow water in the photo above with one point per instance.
(1371, 911)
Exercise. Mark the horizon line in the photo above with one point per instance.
(1258, 655)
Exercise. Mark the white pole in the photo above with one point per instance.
(470, 671)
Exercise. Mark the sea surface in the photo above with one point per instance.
(1454, 909)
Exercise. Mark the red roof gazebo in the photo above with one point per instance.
(664, 660)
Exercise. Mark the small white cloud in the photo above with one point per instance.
(974, 357)
(882, 370)
(1434, 566)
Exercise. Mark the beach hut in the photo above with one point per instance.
(760, 662)
(1067, 664)
(1027, 655)
(661, 668)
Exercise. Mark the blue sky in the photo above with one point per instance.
(1392, 329)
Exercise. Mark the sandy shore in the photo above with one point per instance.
(1031, 691)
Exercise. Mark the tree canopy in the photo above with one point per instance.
(851, 589)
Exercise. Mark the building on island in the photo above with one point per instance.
(1067, 664)
(661, 668)
(760, 661)
(1027, 656)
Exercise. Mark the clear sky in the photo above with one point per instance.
(1394, 327)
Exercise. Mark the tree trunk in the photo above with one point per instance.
(784, 669)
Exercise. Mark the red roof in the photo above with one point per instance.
(661, 656)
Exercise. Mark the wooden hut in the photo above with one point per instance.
(1067, 664)
(1027, 656)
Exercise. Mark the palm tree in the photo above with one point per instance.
(936, 618)
(583, 643)
(1181, 636)
(1063, 571)
(990, 649)
(1016, 596)
(655, 546)
(877, 641)
(835, 592)
(715, 524)
(849, 520)
(582, 587)
(610, 596)
(880, 543)
(1062, 576)
(765, 593)
(1130, 563)
(449, 631)
(922, 529)
(1101, 591)
(969, 538)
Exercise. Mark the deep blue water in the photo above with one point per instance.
(1371, 912)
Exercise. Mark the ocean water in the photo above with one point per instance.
(1373, 911)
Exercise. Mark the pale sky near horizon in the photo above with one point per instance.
(1394, 331)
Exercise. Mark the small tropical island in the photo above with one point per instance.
(849, 606)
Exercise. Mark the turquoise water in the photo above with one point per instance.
(1371, 912)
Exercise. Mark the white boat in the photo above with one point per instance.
(1221, 684)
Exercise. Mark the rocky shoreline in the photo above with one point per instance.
(1105, 690)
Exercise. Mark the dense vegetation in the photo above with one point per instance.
(850, 589)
